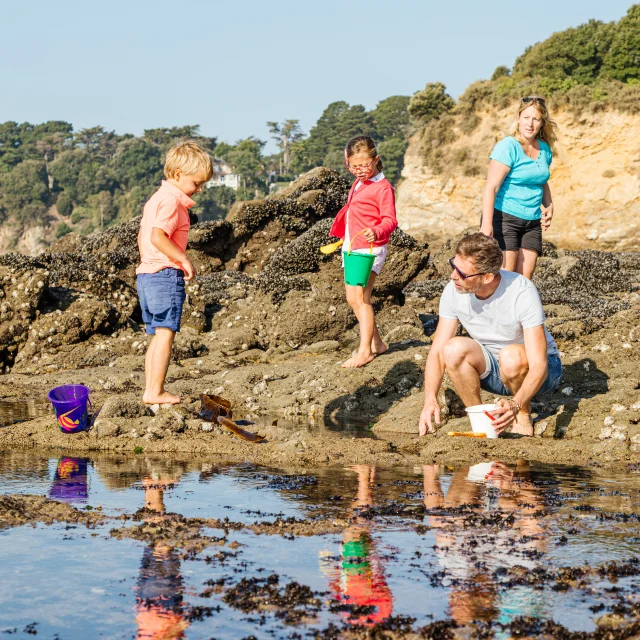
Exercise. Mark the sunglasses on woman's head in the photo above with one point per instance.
(528, 99)
(462, 274)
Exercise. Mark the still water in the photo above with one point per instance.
(431, 542)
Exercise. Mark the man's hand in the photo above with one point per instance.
(547, 215)
(369, 234)
(430, 410)
(487, 230)
(189, 270)
(506, 415)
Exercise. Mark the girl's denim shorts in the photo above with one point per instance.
(162, 297)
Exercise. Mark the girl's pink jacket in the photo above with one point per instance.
(373, 206)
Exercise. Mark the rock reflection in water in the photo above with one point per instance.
(12, 411)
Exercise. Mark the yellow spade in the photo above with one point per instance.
(330, 248)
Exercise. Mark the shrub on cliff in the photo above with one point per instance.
(430, 103)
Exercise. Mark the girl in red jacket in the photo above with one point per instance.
(369, 217)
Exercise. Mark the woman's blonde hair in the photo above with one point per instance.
(362, 144)
(548, 130)
(190, 158)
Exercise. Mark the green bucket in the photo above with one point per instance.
(357, 268)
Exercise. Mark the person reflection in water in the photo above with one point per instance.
(159, 591)
(470, 556)
(359, 581)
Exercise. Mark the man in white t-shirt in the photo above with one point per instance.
(508, 352)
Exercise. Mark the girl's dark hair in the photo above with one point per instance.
(362, 144)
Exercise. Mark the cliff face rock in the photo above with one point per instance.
(595, 182)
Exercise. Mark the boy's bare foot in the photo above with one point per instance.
(378, 348)
(162, 398)
(358, 360)
(523, 425)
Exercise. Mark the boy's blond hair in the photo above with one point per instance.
(190, 158)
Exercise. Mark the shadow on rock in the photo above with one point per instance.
(373, 398)
(580, 381)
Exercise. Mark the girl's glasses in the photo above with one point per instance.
(361, 167)
(462, 274)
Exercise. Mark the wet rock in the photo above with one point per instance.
(85, 317)
(123, 407)
(23, 283)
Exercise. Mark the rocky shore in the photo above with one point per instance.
(266, 326)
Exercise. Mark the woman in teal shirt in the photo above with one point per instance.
(517, 203)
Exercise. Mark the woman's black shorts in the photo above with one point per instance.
(513, 233)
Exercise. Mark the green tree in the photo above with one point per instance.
(392, 152)
(246, 160)
(137, 163)
(325, 145)
(62, 229)
(391, 118)
(11, 153)
(79, 174)
(622, 61)
(575, 53)
(430, 103)
(165, 138)
(214, 203)
(501, 72)
(285, 135)
(24, 192)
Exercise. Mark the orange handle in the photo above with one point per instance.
(352, 239)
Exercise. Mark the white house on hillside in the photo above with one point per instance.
(223, 176)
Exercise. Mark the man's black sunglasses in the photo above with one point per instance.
(463, 275)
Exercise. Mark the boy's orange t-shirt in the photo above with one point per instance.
(167, 209)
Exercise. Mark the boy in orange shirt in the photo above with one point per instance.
(164, 266)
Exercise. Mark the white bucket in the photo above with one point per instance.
(480, 422)
(480, 472)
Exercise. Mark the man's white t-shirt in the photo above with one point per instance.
(499, 320)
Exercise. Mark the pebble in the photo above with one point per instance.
(616, 408)
(608, 421)
(567, 391)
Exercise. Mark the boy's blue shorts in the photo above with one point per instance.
(491, 381)
(162, 297)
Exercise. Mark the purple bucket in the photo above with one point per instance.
(70, 402)
(70, 483)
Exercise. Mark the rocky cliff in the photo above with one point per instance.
(595, 181)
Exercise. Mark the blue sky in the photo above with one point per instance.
(232, 65)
